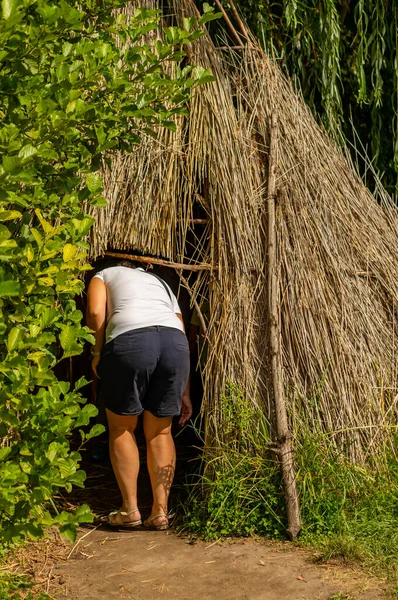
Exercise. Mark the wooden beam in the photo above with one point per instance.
(149, 260)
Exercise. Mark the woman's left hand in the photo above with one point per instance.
(94, 363)
(186, 409)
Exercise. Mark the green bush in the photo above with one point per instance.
(76, 84)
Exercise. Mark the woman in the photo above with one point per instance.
(143, 368)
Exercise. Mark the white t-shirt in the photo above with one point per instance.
(137, 299)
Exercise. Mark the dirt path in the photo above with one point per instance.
(145, 565)
(106, 564)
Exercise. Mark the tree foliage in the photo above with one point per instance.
(343, 56)
(76, 84)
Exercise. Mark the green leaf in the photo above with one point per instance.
(95, 430)
(37, 236)
(4, 452)
(69, 252)
(202, 75)
(10, 163)
(8, 215)
(79, 477)
(68, 336)
(69, 530)
(8, 7)
(36, 356)
(209, 16)
(189, 23)
(98, 201)
(27, 151)
(83, 226)
(101, 135)
(14, 337)
(94, 182)
(84, 514)
(73, 350)
(9, 288)
(65, 467)
(46, 281)
(34, 329)
(47, 227)
(5, 233)
(81, 383)
(87, 412)
(47, 316)
(53, 450)
(170, 125)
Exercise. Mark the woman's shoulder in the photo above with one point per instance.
(117, 273)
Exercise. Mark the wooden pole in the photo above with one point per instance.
(283, 434)
(228, 22)
(238, 19)
(159, 261)
(196, 305)
(230, 47)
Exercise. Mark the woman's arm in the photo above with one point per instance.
(186, 410)
(96, 316)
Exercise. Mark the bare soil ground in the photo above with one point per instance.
(145, 565)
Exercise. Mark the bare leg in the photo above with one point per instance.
(125, 460)
(161, 461)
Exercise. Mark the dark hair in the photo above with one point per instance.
(105, 262)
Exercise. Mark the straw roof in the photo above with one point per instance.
(336, 247)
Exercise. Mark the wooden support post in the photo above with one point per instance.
(283, 434)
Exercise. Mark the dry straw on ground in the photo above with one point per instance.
(336, 246)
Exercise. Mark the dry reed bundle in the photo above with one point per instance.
(339, 274)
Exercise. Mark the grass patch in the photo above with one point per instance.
(18, 587)
(237, 489)
(349, 512)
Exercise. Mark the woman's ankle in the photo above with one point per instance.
(159, 515)
(130, 508)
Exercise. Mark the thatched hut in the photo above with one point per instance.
(199, 196)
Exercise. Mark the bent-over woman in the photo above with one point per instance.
(141, 356)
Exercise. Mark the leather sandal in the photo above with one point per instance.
(149, 523)
(115, 519)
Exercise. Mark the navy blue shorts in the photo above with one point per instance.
(145, 369)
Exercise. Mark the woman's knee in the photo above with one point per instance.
(155, 426)
(120, 423)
